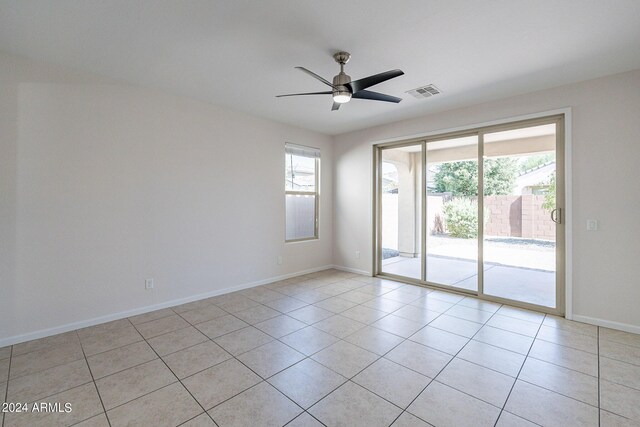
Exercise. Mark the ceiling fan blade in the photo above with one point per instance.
(375, 96)
(366, 82)
(315, 76)
(307, 93)
(335, 106)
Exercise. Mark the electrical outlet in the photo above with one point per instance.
(592, 225)
(279, 260)
(357, 254)
(148, 284)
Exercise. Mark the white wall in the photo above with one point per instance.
(104, 185)
(606, 157)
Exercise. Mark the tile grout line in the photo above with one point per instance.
(61, 391)
(142, 363)
(265, 380)
(428, 324)
(403, 340)
(518, 375)
(569, 347)
(234, 358)
(558, 393)
(93, 381)
(195, 373)
(42, 370)
(635, 365)
(197, 416)
(534, 339)
(339, 339)
(80, 342)
(299, 415)
(560, 366)
(350, 379)
(143, 395)
(444, 367)
(49, 347)
(389, 351)
(174, 374)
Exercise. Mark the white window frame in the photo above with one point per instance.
(301, 150)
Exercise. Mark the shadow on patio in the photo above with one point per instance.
(529, 276)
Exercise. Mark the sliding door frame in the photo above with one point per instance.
(377, 205)
(559, 119)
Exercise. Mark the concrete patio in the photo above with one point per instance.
(513, 282)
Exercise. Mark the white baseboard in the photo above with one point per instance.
(351, 270)
(607, 323)
(16, 339)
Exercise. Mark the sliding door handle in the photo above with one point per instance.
(556, 216)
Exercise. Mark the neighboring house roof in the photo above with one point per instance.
(534, 177)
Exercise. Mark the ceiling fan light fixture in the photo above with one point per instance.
(341, 96)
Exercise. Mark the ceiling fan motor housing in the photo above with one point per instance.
(339, 82)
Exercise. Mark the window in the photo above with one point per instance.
(302, 166)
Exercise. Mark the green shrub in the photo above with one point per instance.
(461, 217)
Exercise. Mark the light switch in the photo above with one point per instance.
(592, 225)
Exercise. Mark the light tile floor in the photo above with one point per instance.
(330, 348)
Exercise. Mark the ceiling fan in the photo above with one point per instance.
(343, 89)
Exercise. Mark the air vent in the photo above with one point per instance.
(424, 91)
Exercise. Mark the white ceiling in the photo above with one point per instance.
(241, 53)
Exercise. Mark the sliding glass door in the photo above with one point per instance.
(478, 212)
(452, 212)
(521, 217)
(400, 206)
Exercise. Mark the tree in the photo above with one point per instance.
(499, 176)
(461, 178)
(458, 178)
(550, 195)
